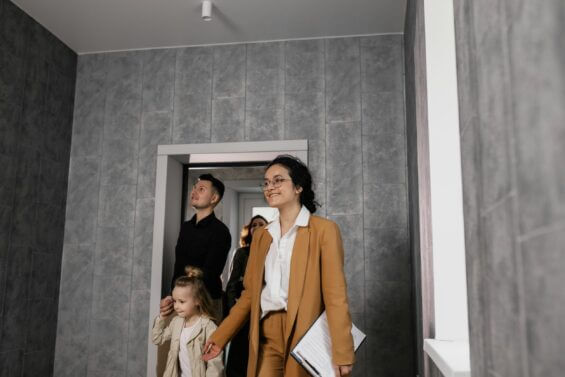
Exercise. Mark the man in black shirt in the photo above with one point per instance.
(204, 241)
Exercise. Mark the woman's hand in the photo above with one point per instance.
(211, 350)
(343, 370)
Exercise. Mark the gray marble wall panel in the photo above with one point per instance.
(193, 95)
(343, 80)
(158, 80)
(37, 80)
(380, 71)
(137, 340)
(317, 164)
(88, 124)
(123, 95)
(344, 170)
(511, 87)
(229, 71)
(143, 243)
(228, 119)
(82, 200)
(155, 129)
(352, 235)
(543, 260)
(304, 116)
(390, 327)
(77, 270)
(266, 91)
(304, 66)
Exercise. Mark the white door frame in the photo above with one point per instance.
(168, 193)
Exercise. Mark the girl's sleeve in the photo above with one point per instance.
(214, 367)
(161, 332)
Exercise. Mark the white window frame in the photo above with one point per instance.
(450, 348)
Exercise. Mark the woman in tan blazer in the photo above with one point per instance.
(294, 273)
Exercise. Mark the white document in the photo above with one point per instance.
(314, 350)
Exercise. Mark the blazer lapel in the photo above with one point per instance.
(298, 266)
(264, 246)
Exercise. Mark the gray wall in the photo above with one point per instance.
(419, 178)
(37, 76)
(434, 370)
(510, 57)
(346, 96)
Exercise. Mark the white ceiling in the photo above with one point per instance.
(108, 25)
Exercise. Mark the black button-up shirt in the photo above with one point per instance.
(205, 245)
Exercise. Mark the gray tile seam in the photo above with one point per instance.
(282, 72)
(483, 212)
(172, 105)
(211, 112)
(362, 176)
(325, 126)
(245, 97)
(519, 265)
(132, 240)
(557, 227)
(283, 68)
(93, 257)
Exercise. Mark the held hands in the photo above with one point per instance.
(211, 350)
(166, 307)
(343, 370)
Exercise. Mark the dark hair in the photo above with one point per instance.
(246, 236)
(200, 293)
(216, 184)
(301, 177)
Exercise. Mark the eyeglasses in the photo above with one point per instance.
(277, 182)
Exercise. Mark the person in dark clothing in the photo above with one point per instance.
(236, 365)
(204, 244)
(204, 241)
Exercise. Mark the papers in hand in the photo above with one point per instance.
(314, 350)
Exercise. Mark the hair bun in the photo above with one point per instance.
(193, 272)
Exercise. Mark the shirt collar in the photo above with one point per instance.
(205, 221)
(274, 227)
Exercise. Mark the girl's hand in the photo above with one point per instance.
(343, 370)
(211, 350)
(166, 307)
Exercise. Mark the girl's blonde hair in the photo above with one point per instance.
(200, 294)
(193, 272)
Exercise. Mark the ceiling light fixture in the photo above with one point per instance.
(207, 10)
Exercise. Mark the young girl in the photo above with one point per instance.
(188, 331)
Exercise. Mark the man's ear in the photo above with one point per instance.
(215, 198)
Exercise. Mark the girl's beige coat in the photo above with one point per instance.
(161, 333)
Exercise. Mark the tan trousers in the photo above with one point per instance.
(271, 358)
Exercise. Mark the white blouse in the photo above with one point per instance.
(274, 295)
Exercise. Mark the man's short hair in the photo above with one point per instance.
(216, 184)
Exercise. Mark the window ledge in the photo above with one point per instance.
(452, 357)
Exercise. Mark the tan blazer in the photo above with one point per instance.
(162, 333)
(317, 282)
